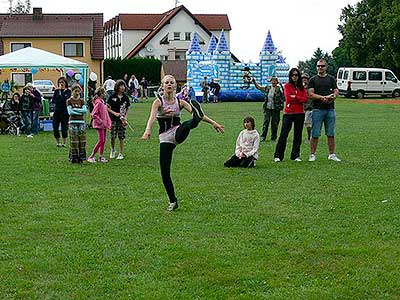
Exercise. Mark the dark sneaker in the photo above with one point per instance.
(197, 111)
(172, 206)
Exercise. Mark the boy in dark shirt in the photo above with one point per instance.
(118, 105)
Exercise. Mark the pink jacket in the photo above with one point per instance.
(101, 118)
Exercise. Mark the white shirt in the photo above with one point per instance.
(248, 142)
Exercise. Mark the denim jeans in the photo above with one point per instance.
(26, 121)
(326, 117)
(35, 122)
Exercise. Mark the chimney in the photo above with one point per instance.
(37, 13)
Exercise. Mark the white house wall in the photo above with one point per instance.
(182, 23)
(130, 38)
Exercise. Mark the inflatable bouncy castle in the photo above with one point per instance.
(233, 77)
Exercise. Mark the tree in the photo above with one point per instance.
(310, 66)
(21, 7)
(370, 35)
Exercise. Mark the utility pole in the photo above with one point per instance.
(10, 8)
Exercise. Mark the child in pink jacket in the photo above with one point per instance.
(102, 122)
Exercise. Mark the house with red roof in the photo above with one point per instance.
(163, 36)
(76, 36)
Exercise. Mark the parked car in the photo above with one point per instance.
(45, 87)
(360, 82)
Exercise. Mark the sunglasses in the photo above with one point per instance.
(295, 74)
(321, 66)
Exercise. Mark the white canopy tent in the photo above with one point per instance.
(33, 58)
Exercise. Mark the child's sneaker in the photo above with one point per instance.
(277, 159)
(334, 157)
(112, 153)
(312, 157)
(120, 156)
(172, 206)
(91, 160)
(103, 160)
(197, 111)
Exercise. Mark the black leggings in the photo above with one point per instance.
(166, 150)
(288, 120)
(60, 117)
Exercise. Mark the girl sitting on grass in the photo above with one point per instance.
(246, 152)
(102, 122)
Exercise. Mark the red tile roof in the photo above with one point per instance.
(55, 26)
(166, 17)
(149, 21)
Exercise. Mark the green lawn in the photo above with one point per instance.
(320, 230)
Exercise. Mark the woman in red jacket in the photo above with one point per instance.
(296, 96)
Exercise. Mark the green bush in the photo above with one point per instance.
(147, 67)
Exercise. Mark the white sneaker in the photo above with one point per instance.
(297, 159)
(334, 157)
(277, 159)
(29, 136)
(91, 160)
(312, 157)
(112, 153)
(120, 156)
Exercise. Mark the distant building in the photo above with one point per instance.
(165, 36)
(76, 36)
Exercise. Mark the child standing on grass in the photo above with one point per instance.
(118, 106)
(247, 143)
(102, 122)
(26, 107)
(77, 128)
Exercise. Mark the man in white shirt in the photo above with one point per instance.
(109, 85)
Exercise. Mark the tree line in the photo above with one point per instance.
(370, 33)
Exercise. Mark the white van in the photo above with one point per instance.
(360, 82)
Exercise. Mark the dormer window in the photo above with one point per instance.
(164, 40)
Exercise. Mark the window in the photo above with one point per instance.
(187, 36)
(180, 55)
(346, 75)
(164, 57)
(164, 40)
(19, 46)
(359, 75)
(375, 75)
(177, 36)
(390, 77)
(73, 49)
(21, 79)
(340, 74)
(151, 56)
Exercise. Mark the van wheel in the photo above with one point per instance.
(396, 94)
(360, 94)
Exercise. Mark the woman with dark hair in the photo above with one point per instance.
(296, 96)
(118, 105)
(60, 115)
(166, 109)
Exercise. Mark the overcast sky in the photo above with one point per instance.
(298, 27)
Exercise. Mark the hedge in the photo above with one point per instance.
(140, 67)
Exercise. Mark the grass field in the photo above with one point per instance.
(319, 230)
